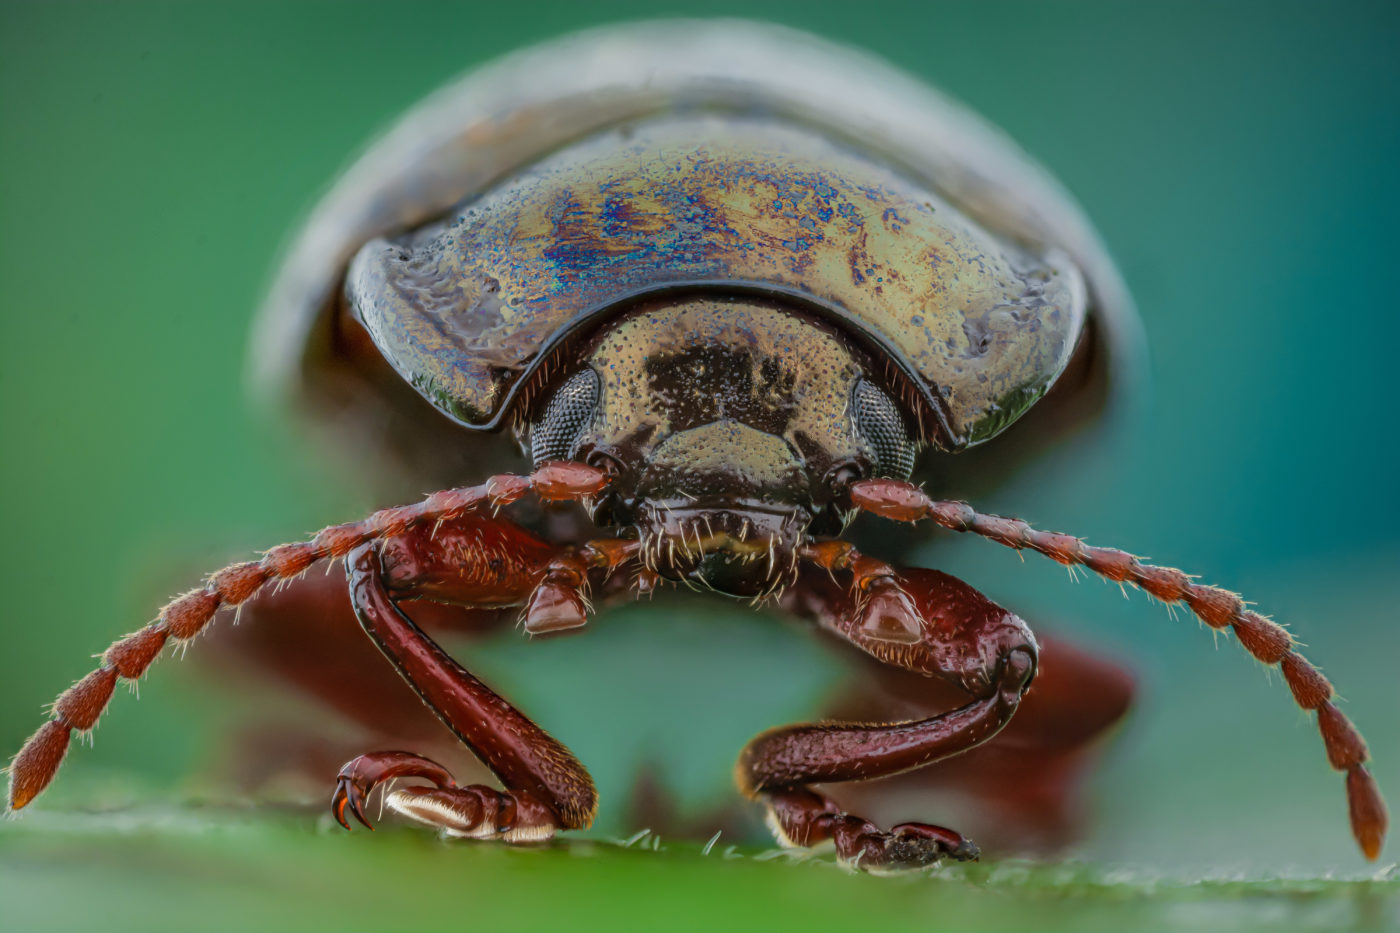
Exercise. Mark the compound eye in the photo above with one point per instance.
(566, 416)
(880, 424)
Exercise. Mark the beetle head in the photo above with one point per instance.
(732, 427)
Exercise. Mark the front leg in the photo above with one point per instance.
(482, 562)
(494, 570)
(963, 637)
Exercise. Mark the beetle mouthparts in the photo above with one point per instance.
(736, 551)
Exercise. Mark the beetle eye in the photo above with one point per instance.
(879, 423)
(565, 417)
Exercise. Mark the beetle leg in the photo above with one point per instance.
(473, 812)
(964, 638)
(1023, 792)
(360, 776)
(546, 788)
(1267, 641)
(81, 706)
(348, 697)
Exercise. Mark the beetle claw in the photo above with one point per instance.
(360, 776)
(349, 796)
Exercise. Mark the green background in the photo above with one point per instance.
(1239, 159)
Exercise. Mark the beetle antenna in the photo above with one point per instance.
(1218, 608)
(80, 706)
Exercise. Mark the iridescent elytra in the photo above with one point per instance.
(683, 299)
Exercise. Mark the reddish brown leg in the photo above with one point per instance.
(546, 788)
(962, 637)
(1021, 792)
(1267, 641)
(81, 706)
(309, 718)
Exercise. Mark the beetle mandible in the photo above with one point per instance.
(724, 286)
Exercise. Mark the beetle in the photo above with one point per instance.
(724, 287)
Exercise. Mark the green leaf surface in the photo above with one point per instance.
(184, 869)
